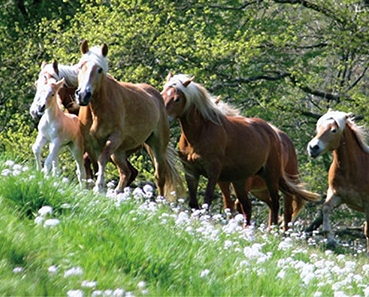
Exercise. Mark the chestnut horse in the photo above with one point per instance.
(292, 204)
(58, 128)
(348, 179)
(119, 117)
(225, 148)
(66, 97)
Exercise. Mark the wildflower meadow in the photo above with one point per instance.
(58, 239)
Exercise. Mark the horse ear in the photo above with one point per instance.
(43, 64)
(55, 67)
(217, 100)
(169, 76)
(84, 46)
(187, 82)
(104, 50)
(330, 109)
(60, 83)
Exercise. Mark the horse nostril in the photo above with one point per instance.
(314, 148)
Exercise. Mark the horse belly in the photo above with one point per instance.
(353, 199)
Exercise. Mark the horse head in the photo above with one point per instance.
(48, 72)
(46, 97)
(174, 96)
(93, 66)
(329, 129)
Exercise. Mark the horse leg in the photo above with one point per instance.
(133, 173)
(192, 181)
(37, 147)
(331, 202)
(90, 172)
(76, 149)
(287, 210)
(244, 201)
(51, 161)
(109, 148)
(366, 227)
(120, 160)
(226, 195)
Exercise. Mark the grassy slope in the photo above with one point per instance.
(119, 246)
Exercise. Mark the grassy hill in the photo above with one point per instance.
(57, 239)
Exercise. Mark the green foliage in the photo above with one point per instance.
(266, 57)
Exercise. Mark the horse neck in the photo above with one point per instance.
(53, 110)
(349, 152)
(191, 123)
(98, 104)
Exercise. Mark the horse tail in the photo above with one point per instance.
(173, 181)
(291, 186)
(173, 186)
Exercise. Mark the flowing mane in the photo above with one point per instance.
(343, 119)
(94, 55)
(197, 96)
(70, 74)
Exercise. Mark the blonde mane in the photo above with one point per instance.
(95, 55)
(197, 96)
(343, 119)
(70, 73)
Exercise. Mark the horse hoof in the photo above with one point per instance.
(331, 244)
(98, 190)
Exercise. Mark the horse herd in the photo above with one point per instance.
(106, 121)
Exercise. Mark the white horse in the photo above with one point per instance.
(57, 128)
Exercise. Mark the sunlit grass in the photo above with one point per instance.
(57, 239)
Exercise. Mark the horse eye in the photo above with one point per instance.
(100, 70)
(334, 130)
(177, 99)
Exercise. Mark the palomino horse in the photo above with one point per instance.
(225, 148)
(58, 128)
(66, 96)
(348, 179)
(119, 117)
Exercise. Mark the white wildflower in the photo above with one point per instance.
(141, 285)
(53, 269)
(204, 273)
(286, 244)
(88, 284)
(75, 293)
(45, 210)
(6, 172)
(51, 222)
(148, 189)
(254, 251)
(281, 274)
(9, 163)
(39, 220)
(119, 292)
(74, 271)
(18, 269)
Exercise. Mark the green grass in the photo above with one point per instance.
(119, 245)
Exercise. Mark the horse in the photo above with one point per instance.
(58, 128)
(225, 148)
(119, 117)
(66, 97)
(348, 181)
(292, 204)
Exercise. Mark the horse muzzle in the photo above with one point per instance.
(83, 98)
(314, 149)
